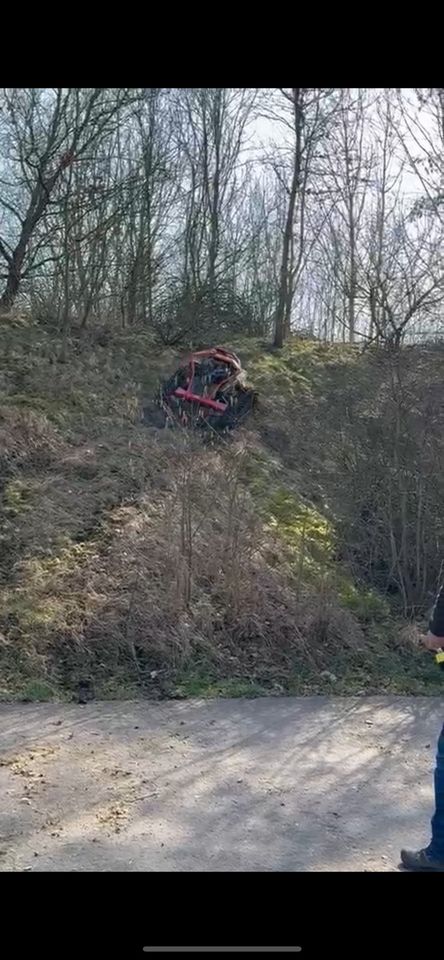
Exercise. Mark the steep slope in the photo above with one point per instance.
(148, 562)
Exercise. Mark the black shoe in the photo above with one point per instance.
(85, 691)
(420, 860)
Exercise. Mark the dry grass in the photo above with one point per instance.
(177, 572)
(133, 555)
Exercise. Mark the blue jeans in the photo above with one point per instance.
(436, 847)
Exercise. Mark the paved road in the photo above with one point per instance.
(270, 784)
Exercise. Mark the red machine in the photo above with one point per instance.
(207, 389)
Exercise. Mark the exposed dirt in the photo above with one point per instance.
(270, 784)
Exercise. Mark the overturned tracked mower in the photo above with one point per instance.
(207, 390)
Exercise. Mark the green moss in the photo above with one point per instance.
(261, 471)
(196, 684)
(365, 603)
(30, 611)
(16, 496)
(70, 555)
(44, 603)
(301, 365)
(277, 377)
(378, 668)
(37, 691)
(305, 531)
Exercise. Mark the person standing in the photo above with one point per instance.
(432, 857)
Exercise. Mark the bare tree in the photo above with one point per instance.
(405, 278)
(419, 127)
(46, 132)
(303, 115)
(213, 126)
(148, 208)
(263, 220)
(348, 164)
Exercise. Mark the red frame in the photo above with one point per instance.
(217, 353)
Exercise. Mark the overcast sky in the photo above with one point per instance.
(265, 132)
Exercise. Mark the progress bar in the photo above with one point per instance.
(222, 949)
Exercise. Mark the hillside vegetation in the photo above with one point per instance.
(288, 557)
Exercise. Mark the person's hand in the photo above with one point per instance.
(432, 642)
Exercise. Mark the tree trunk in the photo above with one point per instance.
(352, 287)
(11, 290)
(12, 287)
(285, 290)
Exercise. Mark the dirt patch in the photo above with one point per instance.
(278, 784)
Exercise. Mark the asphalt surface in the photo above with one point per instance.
(276, 784)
